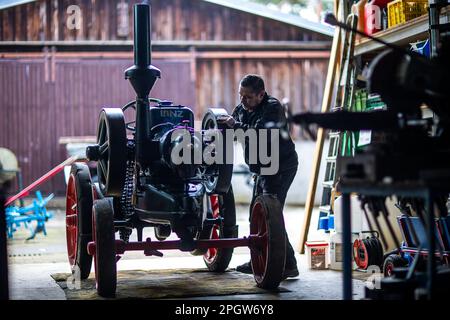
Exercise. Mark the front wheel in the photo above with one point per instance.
(105, 247)
(268, 255)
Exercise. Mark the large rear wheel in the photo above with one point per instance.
(78, 219)
(218, 259)
(269, 254)
(219, 206)
(110, 152)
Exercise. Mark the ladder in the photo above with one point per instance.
(340, 143)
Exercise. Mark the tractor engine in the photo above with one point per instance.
(171, 193)
(166, 122)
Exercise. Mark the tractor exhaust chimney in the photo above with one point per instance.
(142, 77)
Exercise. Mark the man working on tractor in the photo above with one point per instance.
(258, 110)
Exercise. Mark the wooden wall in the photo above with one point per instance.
(299, 80)
(59, 92)
(171, 20)
(41, 101)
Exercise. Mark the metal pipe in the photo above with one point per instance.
(142, 77)
(142, 40)
(433, 21)
(122, 246)
(431, 263)
(346, 244)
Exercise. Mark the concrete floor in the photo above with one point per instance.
(32, 262)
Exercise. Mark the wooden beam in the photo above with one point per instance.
(278, 45)
(327, 97)
(77, 139)
(264, 55)
(180, 55)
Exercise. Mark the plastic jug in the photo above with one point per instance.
(358, 9)
(336, 250)
(373, 13)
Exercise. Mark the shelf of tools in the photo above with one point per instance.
(401, 145)
(351, 96)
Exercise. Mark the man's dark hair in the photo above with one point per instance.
(256, 83)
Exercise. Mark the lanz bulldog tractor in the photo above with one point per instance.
(140, 186)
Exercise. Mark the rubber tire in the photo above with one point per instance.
(222, 183)
(276, 242)
(84, 205)
(112, 180)
(105, 253)
(223, 256)
(395, 260)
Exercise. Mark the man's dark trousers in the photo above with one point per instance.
(279, 184)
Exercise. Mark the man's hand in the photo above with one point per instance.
(228, 120)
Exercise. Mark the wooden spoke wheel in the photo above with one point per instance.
(105, 249)
(78, 219)
(268, 255)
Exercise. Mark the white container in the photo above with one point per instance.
(317, 254)
(336, 250)
(358, 218)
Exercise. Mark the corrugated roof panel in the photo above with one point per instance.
(262, 10)
(11, 3)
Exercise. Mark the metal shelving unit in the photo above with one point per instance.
(414, 30)
(403, 34)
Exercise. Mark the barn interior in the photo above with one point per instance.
(98, 98)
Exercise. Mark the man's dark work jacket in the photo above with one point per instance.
(269, 111)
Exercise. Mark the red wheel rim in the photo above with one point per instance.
(94, 237)
(258, 227)
(71, 220)
(211, 253)
(389, 269)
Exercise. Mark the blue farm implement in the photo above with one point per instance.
(27, 215)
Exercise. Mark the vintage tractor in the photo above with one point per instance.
(139, 185)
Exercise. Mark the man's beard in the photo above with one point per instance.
(246, 108)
